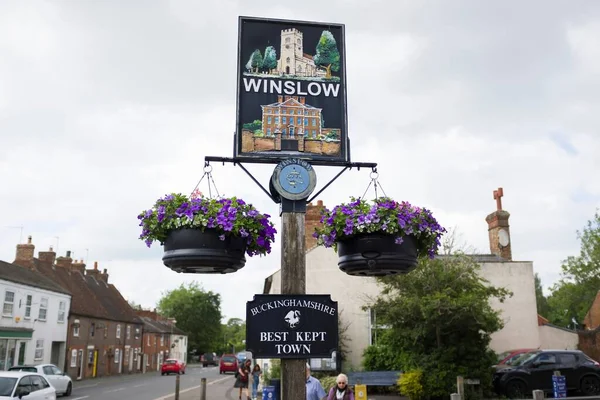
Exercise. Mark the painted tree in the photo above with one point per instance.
(270, 59)
(574, 293)
(197, 312)
(256, 60)
(327, 54)
(440, 320)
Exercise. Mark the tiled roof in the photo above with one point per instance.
(90, 297)
(154, 326)
(25, 276)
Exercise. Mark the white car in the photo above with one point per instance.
(59, 380)
(25, 386)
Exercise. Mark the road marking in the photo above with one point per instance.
(137, 386)
(114, 390)
(80, 398)
(84, 386)
(190, 389)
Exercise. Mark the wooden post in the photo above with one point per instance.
(177, 386)
(460, 387)
(538, 395)
(293, 281)
(203, 389)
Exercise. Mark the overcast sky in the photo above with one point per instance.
(107, 105)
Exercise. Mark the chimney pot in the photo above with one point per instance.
(96, 265)
(320, 203)
(51, 249)
(105, 271)
(68, 253)
(29, 239)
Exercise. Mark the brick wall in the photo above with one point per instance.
(313, 218)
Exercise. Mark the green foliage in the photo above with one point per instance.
(381, 357)
(574, 293)
(253, 126)
(328, 382)
(197, 312)
(441, 321)
(256, 60)
(274, 371)
(270, 59)
(542, 302)
(259, 133)
(410, 384)
(327, 54)
(234, 333)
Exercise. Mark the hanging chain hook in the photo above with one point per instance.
(374, 175)
(210, 180)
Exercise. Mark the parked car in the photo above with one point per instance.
(228, 363)
(25, 385)
(511, 355)
(172, 366)
(533, 371)
(209, 359)
(58, 379)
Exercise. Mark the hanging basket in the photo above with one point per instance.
(377, 255)
(203, 252)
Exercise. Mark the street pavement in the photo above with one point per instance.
(153, 386)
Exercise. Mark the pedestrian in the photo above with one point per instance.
(242, 379)
(341, 391)
(256, 373)
(314, 389)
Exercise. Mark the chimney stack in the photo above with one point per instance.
(498, 229)
(25, 252)
(302, 100)
(47, 257)
(104, 275)
(313, 220)
(94, 272)
(65, 262)
(280, 99)
(78, 266)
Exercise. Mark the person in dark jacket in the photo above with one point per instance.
(341, 391)
(243, 378)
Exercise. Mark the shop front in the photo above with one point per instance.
(13, 345)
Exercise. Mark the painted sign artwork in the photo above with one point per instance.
(291, 91)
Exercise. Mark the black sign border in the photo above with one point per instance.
(290, 296)
(276, 157)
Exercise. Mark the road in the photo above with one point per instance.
(153, 386)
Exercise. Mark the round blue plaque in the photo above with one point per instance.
(294, 179)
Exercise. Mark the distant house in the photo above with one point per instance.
(33, 324)
(162, 340)
(104, 334)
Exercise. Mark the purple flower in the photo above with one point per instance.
(221, 237)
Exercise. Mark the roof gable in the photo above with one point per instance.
(25, 276)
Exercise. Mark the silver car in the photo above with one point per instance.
(61, 381)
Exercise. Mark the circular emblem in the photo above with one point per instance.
(294, 179)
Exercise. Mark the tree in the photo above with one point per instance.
(327, 54)
(541, 300)
(197, 312)
(234, 335)
(253, 126)
(574, 293)
(440, 321)
(270, 59)
(256, 60)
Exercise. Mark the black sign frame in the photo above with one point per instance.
(274, 330)
(321, 149)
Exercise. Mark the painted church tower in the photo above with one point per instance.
(291, 50)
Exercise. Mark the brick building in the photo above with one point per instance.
(104, 334)
(291, 117)
(161, 340)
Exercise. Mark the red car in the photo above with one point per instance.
(228, 363)
(172, 366)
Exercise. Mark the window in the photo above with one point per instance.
(43, 309)
(73, 358)
(28, 306)
(148, 341)
(39, 349)
(269, 130)
(119, 331)
(162, 340)
(62, 306)
(127, 351)
(299, 121)
(284, 120)
(92, 329)
(128, 332)
(9, 303)
(117, 355)
(48, 370)
(137, 333)
(76, 330)
(38, 383)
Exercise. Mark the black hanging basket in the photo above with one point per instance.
(197, 252)
(377, 255)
